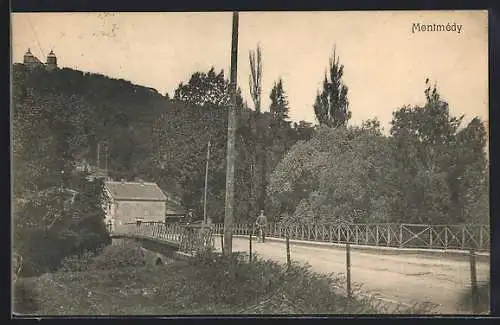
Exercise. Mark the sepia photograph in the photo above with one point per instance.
(250, 163)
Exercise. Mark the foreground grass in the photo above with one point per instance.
(482, 298)
(208, 284)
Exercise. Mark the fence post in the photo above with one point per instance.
(348, 268)
(430, 236)
(250, 247)
(480, 237)
(473, 282)
(388, 235)
(222, 241)
(288, 259)
(446, 237)
(463, 236)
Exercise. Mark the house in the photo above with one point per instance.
(130, 202)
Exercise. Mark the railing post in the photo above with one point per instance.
(463, 236)
(400, 235)
(356, 227)
(445, 237)
(430, 236)
(388, 235)
(376, 234)
(338, 233)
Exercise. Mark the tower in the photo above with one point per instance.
(31, 61)
(28, 57)
(51, 61)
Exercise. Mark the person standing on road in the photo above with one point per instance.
(261, 223)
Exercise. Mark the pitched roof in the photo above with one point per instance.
(135, 191)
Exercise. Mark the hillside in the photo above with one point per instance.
(149, 136)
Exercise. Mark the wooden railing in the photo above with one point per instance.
(190, 238)
(461, 237)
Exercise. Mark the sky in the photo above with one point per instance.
(386, 59)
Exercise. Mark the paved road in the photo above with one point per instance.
(401, 278)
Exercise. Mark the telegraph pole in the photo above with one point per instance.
(206, 185)
(231, 142)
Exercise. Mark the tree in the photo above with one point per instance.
(206, 89)
(438, 166)
(255, 78)
(469, 175)
(303, 130)
(258, 159)
(332, 106)
(279, 103)
(58, 222)
(338, 175)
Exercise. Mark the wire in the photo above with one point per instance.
(36, 37)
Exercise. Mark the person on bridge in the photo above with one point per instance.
(261, 223)
(189, 217)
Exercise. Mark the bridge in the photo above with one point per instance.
(403, 263)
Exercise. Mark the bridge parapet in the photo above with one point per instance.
(189, 238)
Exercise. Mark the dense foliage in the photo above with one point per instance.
(60, 118)
(429, 170)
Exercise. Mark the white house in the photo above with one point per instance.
(129, 202)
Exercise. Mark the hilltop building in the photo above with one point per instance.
(32, 62)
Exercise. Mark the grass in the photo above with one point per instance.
(119, 281)
(483, 299)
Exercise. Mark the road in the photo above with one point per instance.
(401, 278)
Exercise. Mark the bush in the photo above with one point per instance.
(126, 254)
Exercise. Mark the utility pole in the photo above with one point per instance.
(206, 186)
(231, 142)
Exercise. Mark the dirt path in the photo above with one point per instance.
(401, 278)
